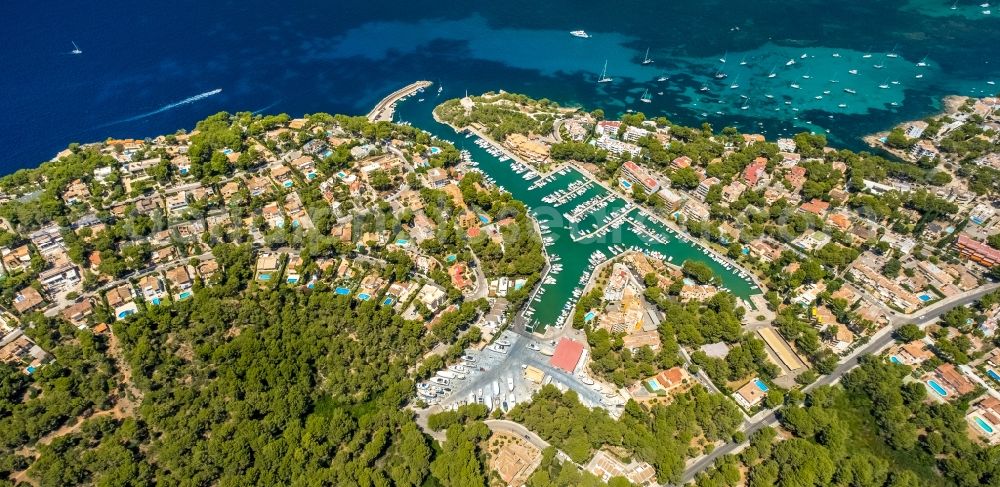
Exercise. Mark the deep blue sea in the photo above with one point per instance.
(148, 68)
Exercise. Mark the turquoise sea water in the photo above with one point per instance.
(151, 70)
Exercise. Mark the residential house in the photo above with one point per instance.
(27, 299)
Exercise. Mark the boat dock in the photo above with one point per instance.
(612, 221)
(384, 110)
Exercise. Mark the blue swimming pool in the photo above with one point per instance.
(760, 385)
(625, 184)
(292, 279)
(435, 150)
(893, 359)
(589, 316)
(984, 425)
(388, 301)
(653, 385)
(184, 295)
(485, 219)
(125, 314)
(155, 301)
(402, 241)
(343, 291)
(924, 297)
(227, 151)
(264, 277)
(287, 184)
(993, 375)
(937, 388)
(364, 296)
(451, 258)
(311, 175)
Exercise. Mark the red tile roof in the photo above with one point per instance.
(567, 355)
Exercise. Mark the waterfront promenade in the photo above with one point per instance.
(384, 110)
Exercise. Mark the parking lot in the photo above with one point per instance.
(491, 366)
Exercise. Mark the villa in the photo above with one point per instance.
(751, 394)
(152, 288)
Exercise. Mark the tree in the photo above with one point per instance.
(909, 332)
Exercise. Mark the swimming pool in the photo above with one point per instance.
(625, 184)
(364, 296)
(125, 314)
(184, 295)
(760, 385)
(937, 388)
(893, 359)
(451, 258)
(264, 277)
(287, 184)
(402, 241)
(984, 425)
(292, 279)
(388, 301)
(227, 151)
(343, 291)
(653, 385)
(993, 375)
(155, 301)
(924, 297)
(485, 219)
(589, 316)
(435, 150)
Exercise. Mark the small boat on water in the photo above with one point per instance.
(76, 49)
(795, 85)
(646, 59)
(580, 33)
(790, 62)
(604, 74)
(662, 78)
(848, 90)
(772, 73)
(853, 71)
(646, 98)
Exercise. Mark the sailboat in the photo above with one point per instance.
(743, 62)
(746, 103)
(868, 54)
(954, 6)
(736, 83)
(853, 71)
(645, 97)
(76, 49)
(662, 78)
(884, 85)
(723, 58)
(923, 62)
(772, 73)
(790, 62)
(892, 53)
(646, 59)
(807, 75)
(795, 85)
(604, 74)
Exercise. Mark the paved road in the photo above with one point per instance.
(876, 344)
(504, 426)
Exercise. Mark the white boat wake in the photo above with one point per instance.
(170, 106)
